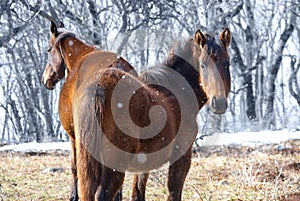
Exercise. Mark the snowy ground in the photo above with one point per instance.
(37, 147)
(242, 138)
(250, 138)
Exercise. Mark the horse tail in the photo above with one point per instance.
(87, 109)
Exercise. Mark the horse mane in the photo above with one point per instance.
(183, 51)
(182, 59)
(64, 34)
(156, 74)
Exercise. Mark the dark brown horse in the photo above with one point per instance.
(123, 123)
(66, 55)
(203, 62)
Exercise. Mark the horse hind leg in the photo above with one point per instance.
(111, 183)
(119, 195)
(89, 173)
(139, 187)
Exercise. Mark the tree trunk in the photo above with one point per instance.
(247, 82)
(273, 70)
(294, 86)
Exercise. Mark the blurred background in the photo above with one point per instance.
(264, 52)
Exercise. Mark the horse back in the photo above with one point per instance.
(86, 76)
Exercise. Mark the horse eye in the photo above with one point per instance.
(203, 65)
(49, 49)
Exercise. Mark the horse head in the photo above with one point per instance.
(55, 67)
(213, 61)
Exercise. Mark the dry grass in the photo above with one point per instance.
(219, 173)
(22, 177)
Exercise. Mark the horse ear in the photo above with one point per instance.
(200, 38)
(61, 25)
(225, 37)
(53, 28)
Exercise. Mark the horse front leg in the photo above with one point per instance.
(111, 183)
(177, 174)
(74, 193)
(139, 187)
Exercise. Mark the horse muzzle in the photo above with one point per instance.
(219, 105)
(47, 84)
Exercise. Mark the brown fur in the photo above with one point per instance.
(72, 59)
(186, 58)
(90, 114)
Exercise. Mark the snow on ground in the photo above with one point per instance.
(37, 147)
(250, 138)
(241, 138)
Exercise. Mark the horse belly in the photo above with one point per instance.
(152, 154)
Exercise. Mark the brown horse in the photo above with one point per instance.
(123, 123)
(66, 55)
(203, 62)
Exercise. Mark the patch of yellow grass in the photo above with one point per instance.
(22, 178)
(226, 177)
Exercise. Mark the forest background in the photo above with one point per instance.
(264, 52)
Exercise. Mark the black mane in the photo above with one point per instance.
(181, 59)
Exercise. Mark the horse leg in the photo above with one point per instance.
(111, 183)
(74, 193)
(119, 195)
(177, 174)
(139, 187)
(88, 172)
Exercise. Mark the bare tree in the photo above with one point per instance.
(294, 86)
(25, 49)
(261, 32)
(275, 65)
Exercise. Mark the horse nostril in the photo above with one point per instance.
(213, 102)
(48, 84)
(219, 105)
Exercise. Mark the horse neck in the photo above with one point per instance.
(74, 51)
(182, 60)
